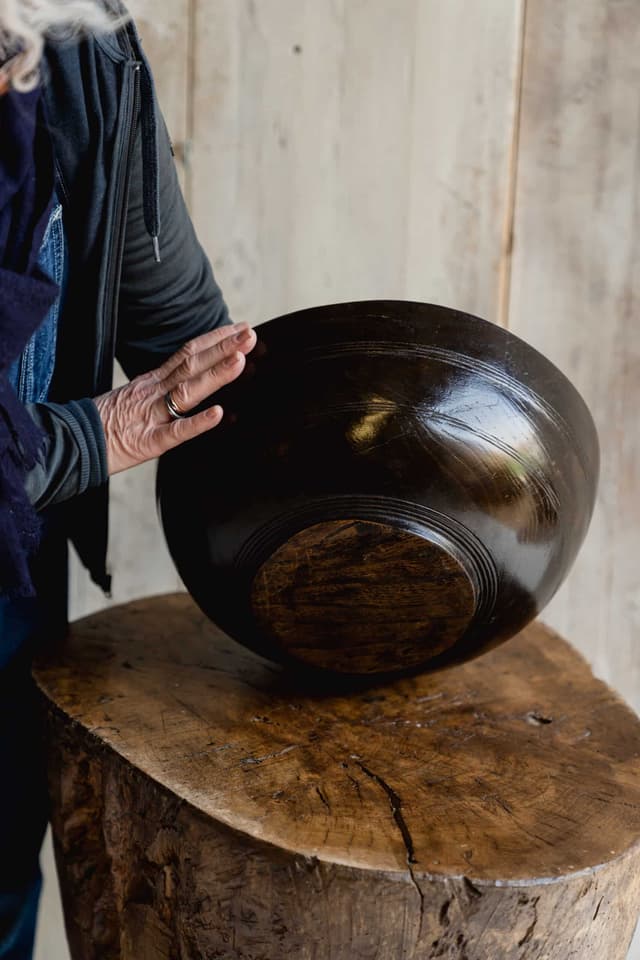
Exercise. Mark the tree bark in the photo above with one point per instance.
(208, 804)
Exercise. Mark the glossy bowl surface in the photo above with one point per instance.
(395, 484)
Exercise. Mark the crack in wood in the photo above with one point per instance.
(537, 718)
(532, 926)
(323, 799)
(471, 889)
(270, 756)
(395, 803)
(444, 911)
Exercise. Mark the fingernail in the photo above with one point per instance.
(242, 336)
(231, 361)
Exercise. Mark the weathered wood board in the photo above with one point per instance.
(208, 803)
(575, 288)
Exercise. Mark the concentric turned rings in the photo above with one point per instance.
(174, 413)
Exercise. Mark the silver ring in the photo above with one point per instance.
(174, 413)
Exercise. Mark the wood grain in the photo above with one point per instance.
(362, 597)
(353, 150)
(225, 810)
(576, 287)
(463, 117)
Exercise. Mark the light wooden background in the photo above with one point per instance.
(482, 154)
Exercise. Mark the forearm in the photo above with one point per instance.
(73, 457)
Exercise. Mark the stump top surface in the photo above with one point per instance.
(518, 765)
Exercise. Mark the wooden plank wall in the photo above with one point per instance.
(575, 287)
(347, 149)
(481, 155)
(478, 153)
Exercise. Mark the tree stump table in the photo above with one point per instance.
(208, 804)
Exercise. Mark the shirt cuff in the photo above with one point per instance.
(73, 457)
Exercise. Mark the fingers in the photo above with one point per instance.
(189, 393)
(204, 352)
(198, 370)
(173, 434)
(136, 422)
(193, 347)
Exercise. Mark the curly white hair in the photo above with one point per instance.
(26, 24)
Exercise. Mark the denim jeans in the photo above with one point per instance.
(31, 373)
(16, 941)
(23, 794)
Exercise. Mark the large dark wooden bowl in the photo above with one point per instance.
(395, 484)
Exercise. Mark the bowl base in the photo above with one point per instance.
(357, 596)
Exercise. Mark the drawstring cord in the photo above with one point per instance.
(150, 162)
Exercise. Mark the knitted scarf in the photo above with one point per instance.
(26, 295)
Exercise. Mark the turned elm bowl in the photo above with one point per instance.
(395, 485)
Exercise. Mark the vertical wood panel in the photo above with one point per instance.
(137, 552)
(576, 287)
(466, 79)
(347, 149)
(164, 27)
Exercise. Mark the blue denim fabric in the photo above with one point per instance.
(23, 797)
(31, 374)
(17, 941)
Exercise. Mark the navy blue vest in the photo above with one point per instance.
(31, 376)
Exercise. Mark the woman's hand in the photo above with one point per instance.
(136, 419)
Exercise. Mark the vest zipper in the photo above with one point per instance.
(106, 346)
